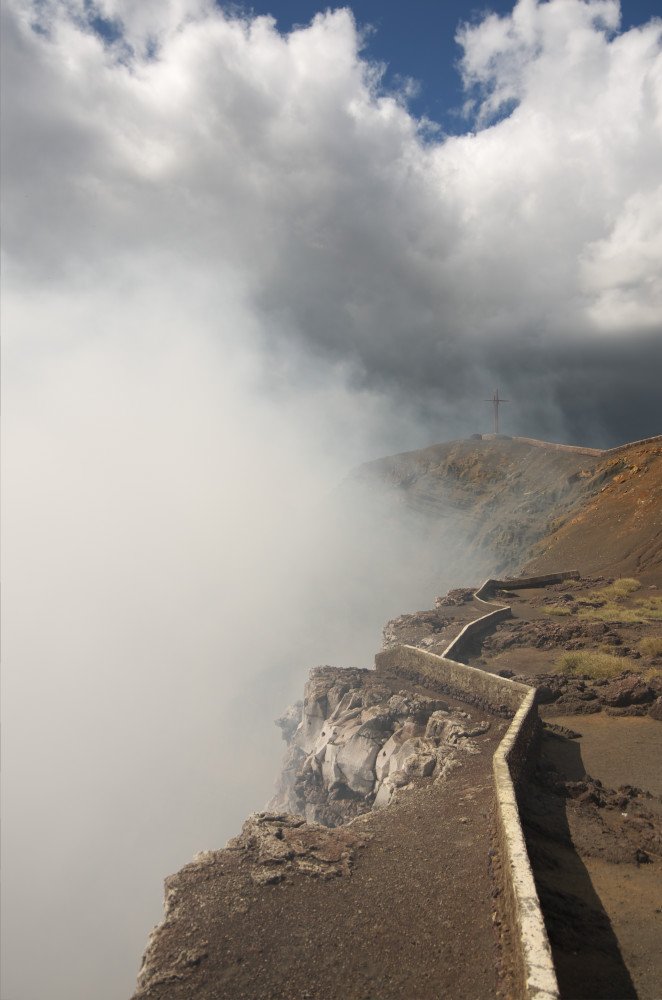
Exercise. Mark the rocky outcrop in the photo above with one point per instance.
(455, 598)
(581, 695)
(279, 845)
(544, 634)
(427, 629)
(360, 739)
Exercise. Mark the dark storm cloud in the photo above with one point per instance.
(422, 267)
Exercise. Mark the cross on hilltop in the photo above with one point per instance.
(496, 401)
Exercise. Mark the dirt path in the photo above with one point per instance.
(619, 751)
(413, 919)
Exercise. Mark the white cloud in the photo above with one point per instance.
(274, 161)
(621, 273)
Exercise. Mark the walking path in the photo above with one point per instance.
(413, 919)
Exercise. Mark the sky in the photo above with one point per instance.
(245, 249)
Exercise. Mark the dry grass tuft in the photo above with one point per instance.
(623, 587)
(651, 645)
(606, 605)
(651, 607)
(610, 611)
(597, 666)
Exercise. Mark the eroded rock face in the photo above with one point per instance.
(359, 741)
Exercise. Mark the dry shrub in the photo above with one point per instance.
(611, 609)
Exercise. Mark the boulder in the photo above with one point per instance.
(628, 690)
(356, 760)
(655, 711)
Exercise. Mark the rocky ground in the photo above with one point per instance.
(546, 623)
(509, 500)
(596, 849)
(403, 901)
(616, 527)
(588, 846)
(398, 903)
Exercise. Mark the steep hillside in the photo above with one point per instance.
(616, 527)
(491, 498)
(501, 501)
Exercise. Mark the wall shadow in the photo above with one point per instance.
(587, 957)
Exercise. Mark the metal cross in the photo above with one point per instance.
(496, 400)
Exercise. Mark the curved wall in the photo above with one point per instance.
(532, 958)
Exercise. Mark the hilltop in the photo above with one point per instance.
(508, 500)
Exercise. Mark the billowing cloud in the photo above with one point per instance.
(196, 140)
(232, 268)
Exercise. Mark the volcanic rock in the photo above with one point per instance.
(359, 740)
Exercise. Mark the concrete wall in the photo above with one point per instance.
(532, 958)
(552, 446)
(533, 963)
(489, 588)
(632, 444)
(468, 683)
(472, 630)
(578, 449)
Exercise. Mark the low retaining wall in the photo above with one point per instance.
(487, 589)
(533, 964)
(553, 446)
(485, 623)
(472, 630)
(633, 444)
(468, 683)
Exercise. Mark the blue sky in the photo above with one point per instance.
(416, 38)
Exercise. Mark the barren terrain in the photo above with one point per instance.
(404, 901)
(593, 810)
(399, 903)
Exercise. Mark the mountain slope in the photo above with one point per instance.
(490, 499)
(617, 526)
(501, 501)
